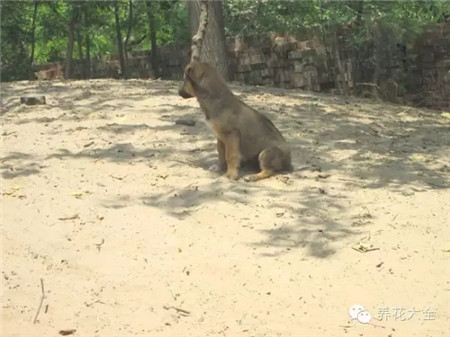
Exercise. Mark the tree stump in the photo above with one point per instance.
(32, 100)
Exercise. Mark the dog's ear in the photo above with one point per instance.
(195, 72)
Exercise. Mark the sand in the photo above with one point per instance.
(109, 201)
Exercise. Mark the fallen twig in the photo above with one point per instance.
(92, 303)
(193, 217)
(99, 245)
(412, 106)
(363, 249)
(88, 144)
(67, 332)
(118, 178)
(185, 312)
(6, 134)
(40, 303)
(171, 290)
(72, 217)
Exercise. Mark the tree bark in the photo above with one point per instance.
(341, 82)
(357, 64)
(33, 37)
(154, 47)
(87, 64)
(214, 47)
(197, 39)
(119, 39)
(69, 50)
(130, 25)
(377, 38)
(80, 50)
(359, 10)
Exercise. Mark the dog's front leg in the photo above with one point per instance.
(232, 155)
(221, 164)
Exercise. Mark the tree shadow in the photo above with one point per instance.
(308, 225)
(331, 135)
(364, 141)
(72, 96)
(120, 152)
(382, 150)
(311, 226)
(19, 164)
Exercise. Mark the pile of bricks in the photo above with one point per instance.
(282, 61)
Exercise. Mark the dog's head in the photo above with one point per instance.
(193, 75)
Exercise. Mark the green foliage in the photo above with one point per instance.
(293, 16)
(95, 19)
(16, 22)
(172, 20)
(51, 38)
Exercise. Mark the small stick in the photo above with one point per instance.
(88, 144)
(193, 217)
(171, 290)
(99, 245)
(177, 309)
(364, 250)
(412, 107)
(118, 178)
(42, 300)
(351, 180)
(72, 217)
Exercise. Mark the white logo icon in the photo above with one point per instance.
(357, 312)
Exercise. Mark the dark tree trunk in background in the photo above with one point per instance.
(214, 47)
(80, 50)
(130, 26)
(87, 64)
(119, 39)
(152, 28)
(359, 59)
(359, 8)
(33, 37)
(341, 82)
(378, 40)
(69, 50)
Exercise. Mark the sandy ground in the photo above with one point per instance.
(108, 201)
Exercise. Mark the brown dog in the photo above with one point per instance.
(243, 134)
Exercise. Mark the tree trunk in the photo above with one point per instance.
(69, 50)
(357, 68)
(130, 25)
(87, 64)
(80, 50)
(359, 8)
(33, 37)
(378, 39)
(214, 47)
(119, 40)
(340, 82)
(154, 47)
